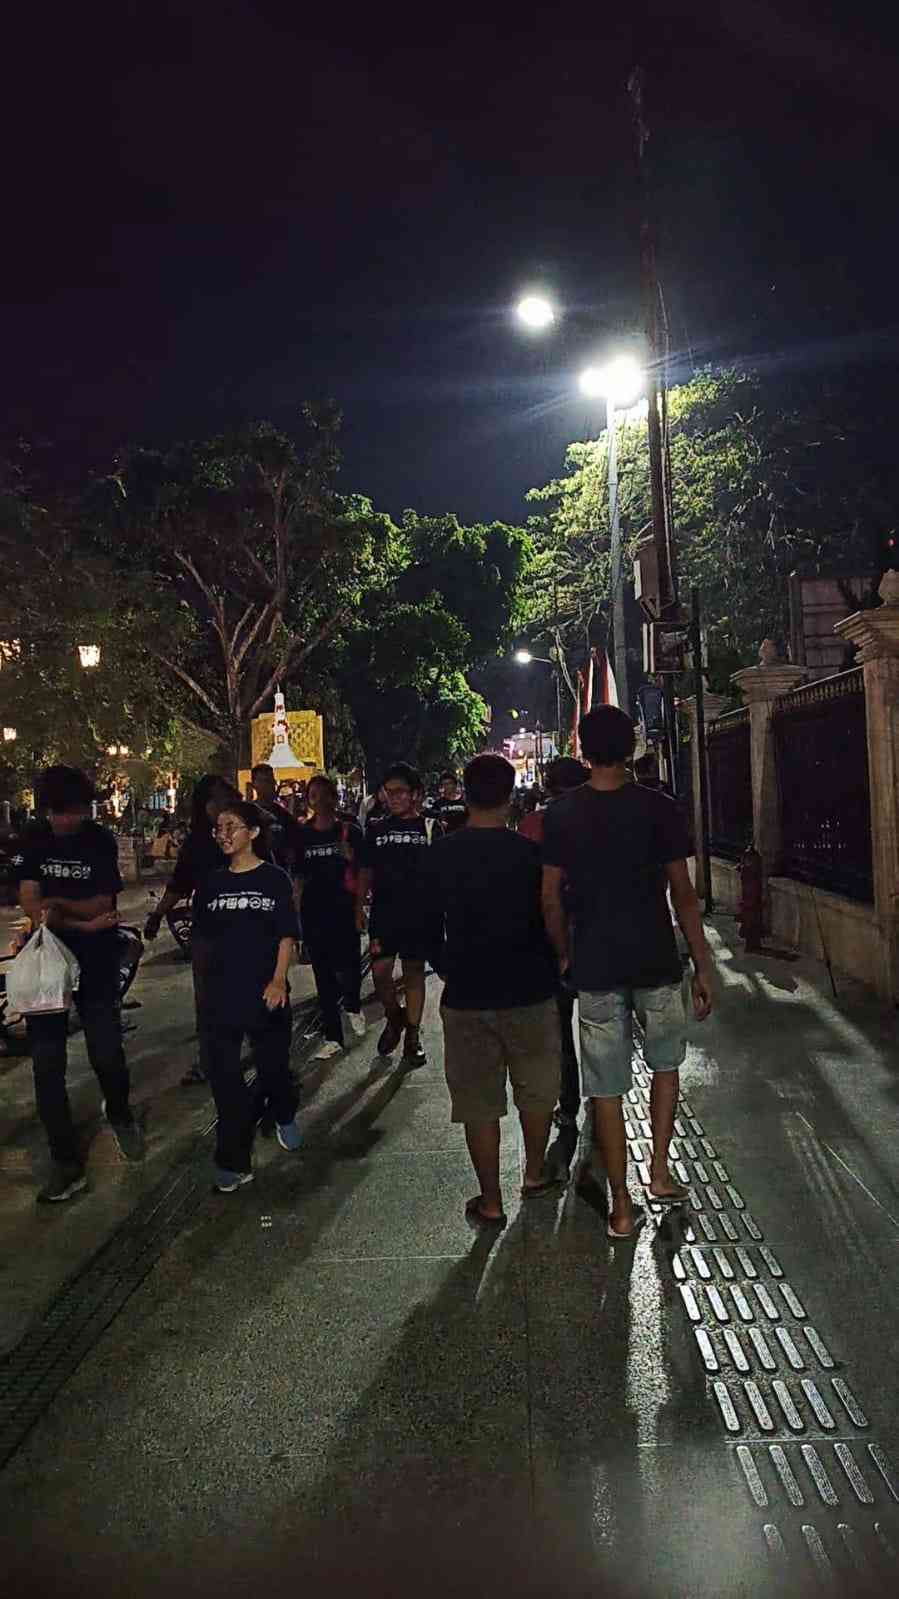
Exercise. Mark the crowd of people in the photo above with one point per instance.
(558, 927)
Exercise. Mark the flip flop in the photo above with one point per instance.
(545, 1187)
(678, 1196)
(475, 1215)
(622, 1238)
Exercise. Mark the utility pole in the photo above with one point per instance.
(705, 841)
(662, 521)
(619, 640)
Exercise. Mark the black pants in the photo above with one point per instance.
(98, 1007)
(335, 952)
(235, 1102)
(570, 1094)
(200, 960)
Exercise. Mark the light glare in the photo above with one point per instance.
(523, 657)
(619, 381)
(535, 311)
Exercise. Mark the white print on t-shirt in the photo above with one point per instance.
(400, 838)
(73, 869)
(323, 849)
(241, 902)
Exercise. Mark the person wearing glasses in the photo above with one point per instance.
(246, 911)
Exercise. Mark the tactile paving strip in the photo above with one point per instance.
(55, 1344)
(799, 1434)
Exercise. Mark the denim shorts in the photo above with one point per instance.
(606, 1025)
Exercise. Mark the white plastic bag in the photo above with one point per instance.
(43, 977)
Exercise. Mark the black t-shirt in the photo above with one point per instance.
(283, 834)
(322, 864)
(198, 856)
(244, 915)
(451, 813)
(395, 850)
(77, 867)
(613, 846)
(485, 884)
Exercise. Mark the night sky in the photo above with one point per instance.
(217, 211)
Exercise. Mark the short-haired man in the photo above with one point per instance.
(402, 920)
(68, 876)
(618, 848)
(284, 828)
(499, 1014)
(450, 808)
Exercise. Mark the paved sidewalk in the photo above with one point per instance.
(327, 1383)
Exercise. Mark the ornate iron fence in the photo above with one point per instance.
(730, 784)
(820, 737)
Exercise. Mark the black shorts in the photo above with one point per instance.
(409, 941)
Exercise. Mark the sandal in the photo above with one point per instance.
(675, 1195)
(475, 1215)
(545, 1186)
(622, 1238)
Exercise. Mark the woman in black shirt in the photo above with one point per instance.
(247, 915)
(198, 856)
(327, 864)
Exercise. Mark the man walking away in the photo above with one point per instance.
(69, 876)
(499, 1015)
(402, 921)
(562, 775)
(327, 872)
(611, 851)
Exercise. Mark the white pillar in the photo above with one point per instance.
(762, 687)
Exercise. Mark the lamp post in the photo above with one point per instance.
(619, 383)
(524, 658)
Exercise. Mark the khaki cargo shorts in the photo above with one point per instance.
(483, 1047)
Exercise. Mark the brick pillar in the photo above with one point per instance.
(714, 705)
(762, 686)
(876, 635)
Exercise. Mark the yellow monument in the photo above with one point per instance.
(292, 743)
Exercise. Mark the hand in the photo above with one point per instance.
(101, 923)
(702, 994)
(275, 994)
(151, 925)
(374, 948)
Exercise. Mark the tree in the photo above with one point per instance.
(768, 474)
(248, 558)
(455, 596)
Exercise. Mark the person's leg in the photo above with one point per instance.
(47, 1043)
(414, 981)
(570, 1093)
(200, 957)
(482, 1139)
(395, 1016)
(531, 1049)
(605, 1022)
(349, 971)
(476, 1079)
(662, 1016)
(327, 986)
(271, 1050)
(233, 1100)
(102, 1023)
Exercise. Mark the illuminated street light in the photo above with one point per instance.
(536, 312)
(89, 655)
(9, 735)
(619, 382)
(523, 657)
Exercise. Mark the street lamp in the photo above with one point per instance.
(524, 658)
(9, 735)
(536, 312)
(89, 656)
(619, 383)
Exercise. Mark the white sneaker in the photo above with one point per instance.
(328, 1050)
(358, 1023)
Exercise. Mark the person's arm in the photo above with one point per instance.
(275, 992)
(363, 889)
(61, 915)
(686, 909)
(154, 921)
(554, 915)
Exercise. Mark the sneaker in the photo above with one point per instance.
(413, 1050)
(289, 1136)
(358, 1023)
(328, 1050)
(65, 1182)
(392, 1033)
(228, 1182)
(129, 1137)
